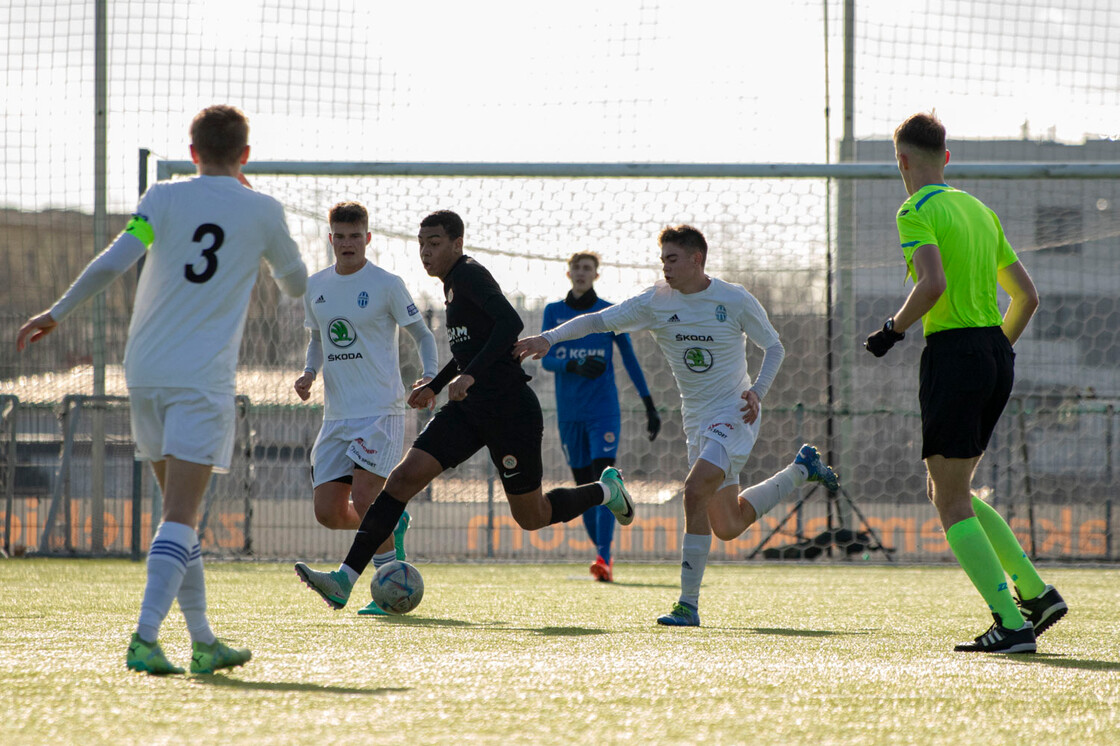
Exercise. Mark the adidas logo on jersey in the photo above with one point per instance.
(674, 318)
(320, 299)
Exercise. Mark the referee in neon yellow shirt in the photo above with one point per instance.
(957, 254)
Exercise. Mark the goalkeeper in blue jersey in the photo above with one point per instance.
(587, 398)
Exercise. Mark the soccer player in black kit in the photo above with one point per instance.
(489, 405)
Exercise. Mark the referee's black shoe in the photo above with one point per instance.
(1000, 639)
(1043, 610)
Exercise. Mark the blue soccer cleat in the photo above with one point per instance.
(682, 615)
(810, 458)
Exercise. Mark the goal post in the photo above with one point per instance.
(772, 227)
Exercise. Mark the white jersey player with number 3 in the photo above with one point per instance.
(702, 325)
(204, 239)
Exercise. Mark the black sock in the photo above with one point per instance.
(377, 526)
(569, 502)
(585, 474)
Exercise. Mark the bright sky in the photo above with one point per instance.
(508, 80)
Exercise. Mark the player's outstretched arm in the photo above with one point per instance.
(535, 347)
(35, 329)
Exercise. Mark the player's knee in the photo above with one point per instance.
(724, 532)
(330, 517)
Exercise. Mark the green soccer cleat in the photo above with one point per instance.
(682, 615)
(148, 656)
(333, 586)
(209, 658)
(372, 609)
(398, 536)
(619, 503)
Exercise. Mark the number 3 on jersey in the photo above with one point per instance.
(210, 254)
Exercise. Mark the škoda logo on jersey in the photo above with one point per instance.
(341, 332)
(698, 359)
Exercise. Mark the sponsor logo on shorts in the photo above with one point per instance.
(363, 299)
(360, 442)
(718, 428)
(721, 313)
(563, 353)
(341, 332)
(698, 359)
(609, 437)
(344, 356)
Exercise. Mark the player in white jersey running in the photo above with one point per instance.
(204, 239)
(354, 309)
(701, 324)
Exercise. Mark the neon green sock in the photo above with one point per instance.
(975, 554)
(1010, 552)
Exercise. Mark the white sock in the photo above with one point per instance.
(606, 493)
(694, 558)
(765, 495)
(192, 599)
(380, 560)
(350, 572)
(167, 564)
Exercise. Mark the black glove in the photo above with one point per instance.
(881, 341)
(653, 419)
(592, 366)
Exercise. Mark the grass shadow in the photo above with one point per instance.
(289, 686)
(1057, 660)
(411, 621)
(783, 632)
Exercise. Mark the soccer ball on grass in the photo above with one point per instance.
(397, 587)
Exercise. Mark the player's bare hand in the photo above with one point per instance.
(752, 408)
(422, 398)
(35, 329)
(457, 389)
(536, 347)
(303, 386)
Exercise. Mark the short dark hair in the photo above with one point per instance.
(452, 224)
(580, 255)
(349, 212)
(219, 134)
(922, 131)
(688, 238)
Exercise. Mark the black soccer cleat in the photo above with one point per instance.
(1044, 610)
(1000, 639)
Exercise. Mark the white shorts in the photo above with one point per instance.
(191, 425)
(373, 443)
(727, 433)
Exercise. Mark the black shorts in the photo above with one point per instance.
(965, 381)
(510, 426)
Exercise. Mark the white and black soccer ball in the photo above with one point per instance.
(397, 587)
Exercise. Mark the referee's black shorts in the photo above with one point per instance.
(965, 381)
(510, 426)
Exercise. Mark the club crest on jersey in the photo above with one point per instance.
(363, 299)
(698, 359)
(341, 332)
(721, 313)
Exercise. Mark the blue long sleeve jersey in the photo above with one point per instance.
(577, 397)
